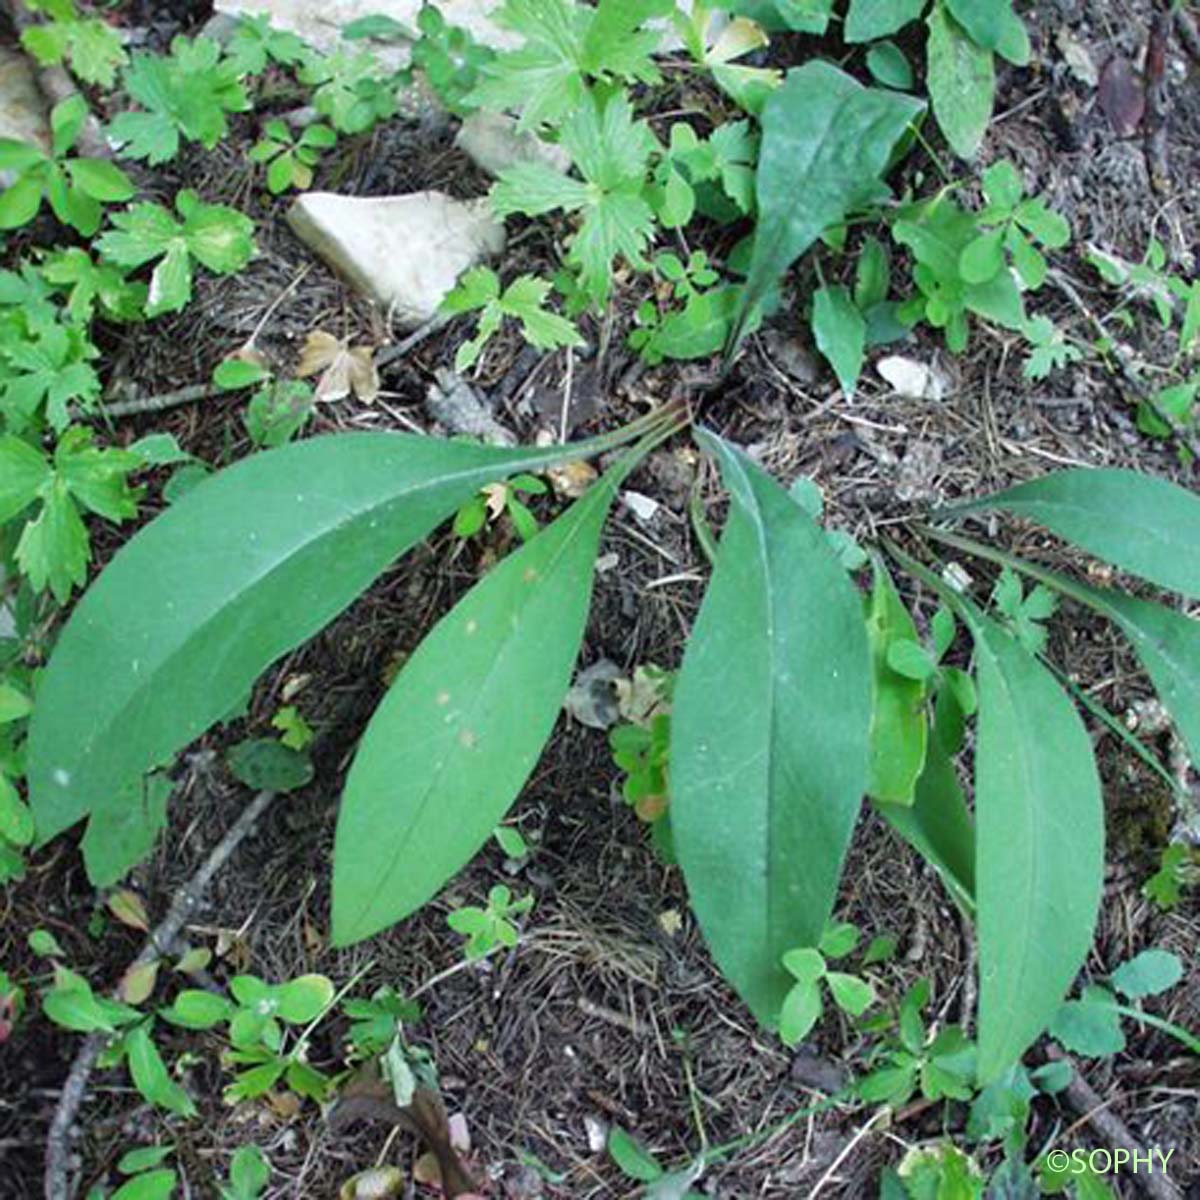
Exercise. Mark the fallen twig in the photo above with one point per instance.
(56, 84)
(159, 403)
(1079, 1095)
(1155, 122)
(159, 943)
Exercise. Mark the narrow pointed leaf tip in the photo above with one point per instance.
(770, 735)
(1137, 522)
(175, 631)
(460, 731)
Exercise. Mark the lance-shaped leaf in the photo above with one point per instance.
(826, 142)
(1039, 868)
(938, 825)
(1138, 522)
(462, 727)
(191, 610)
(770, 736)
(899, 729)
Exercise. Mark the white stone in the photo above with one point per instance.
(23, 113)
(406, 252)
(913, 380)
(319, 22)
(492, 142)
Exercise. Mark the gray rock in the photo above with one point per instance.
(492, 142)
(23, 112)
(406, 252)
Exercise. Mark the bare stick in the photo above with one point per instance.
(57, 85)
(1112, 1130)
(160, 941)
(159, 403)
(1158, 106)
(418, 335)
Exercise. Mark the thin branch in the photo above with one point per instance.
(159, 943)
(158, 403)
(1112, 1131)
(1158, 105)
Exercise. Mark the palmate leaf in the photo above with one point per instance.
(246, 566)
(462, 727)
(770, 736)
(1039, 866)
(826, 142)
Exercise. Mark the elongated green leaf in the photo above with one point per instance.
(899, 730)
(938, 825)
(462, 727)
(826, 142)
(961, 77)
(770, 736)
(1040, 845)
(249, 564)
(1138, 522)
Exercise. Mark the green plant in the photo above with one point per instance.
(377, 1022)
(940, 1065)
(809, 968)
(256, 1017)
(249, 1174)
(1177, 870)
(146, 1177)
(1091, 1025)
(89, 44)
(290, 160)
(75, 188)
(487, 928)
(348, 90)
(524, 300)
(185, 95)
(499, 498)
(751, 747)
(216, 236)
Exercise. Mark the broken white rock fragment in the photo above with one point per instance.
(913, 380)
(406, 252)
(319, 22)
(491, 141)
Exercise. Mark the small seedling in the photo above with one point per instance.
(290, 160)
(499, 498)
(487, 928)
(809, 967)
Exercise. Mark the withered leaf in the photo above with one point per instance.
(342, 369)
(1122, 96)
(129, 909)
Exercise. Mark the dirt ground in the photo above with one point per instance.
(605, 1010)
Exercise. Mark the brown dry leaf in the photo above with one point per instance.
(343, 370)
(138, 982)
(572, 479)
(285, 1104)
(314, 942)
(129, 909)
(1122, 96)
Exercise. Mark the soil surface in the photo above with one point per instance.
(610, 1010)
